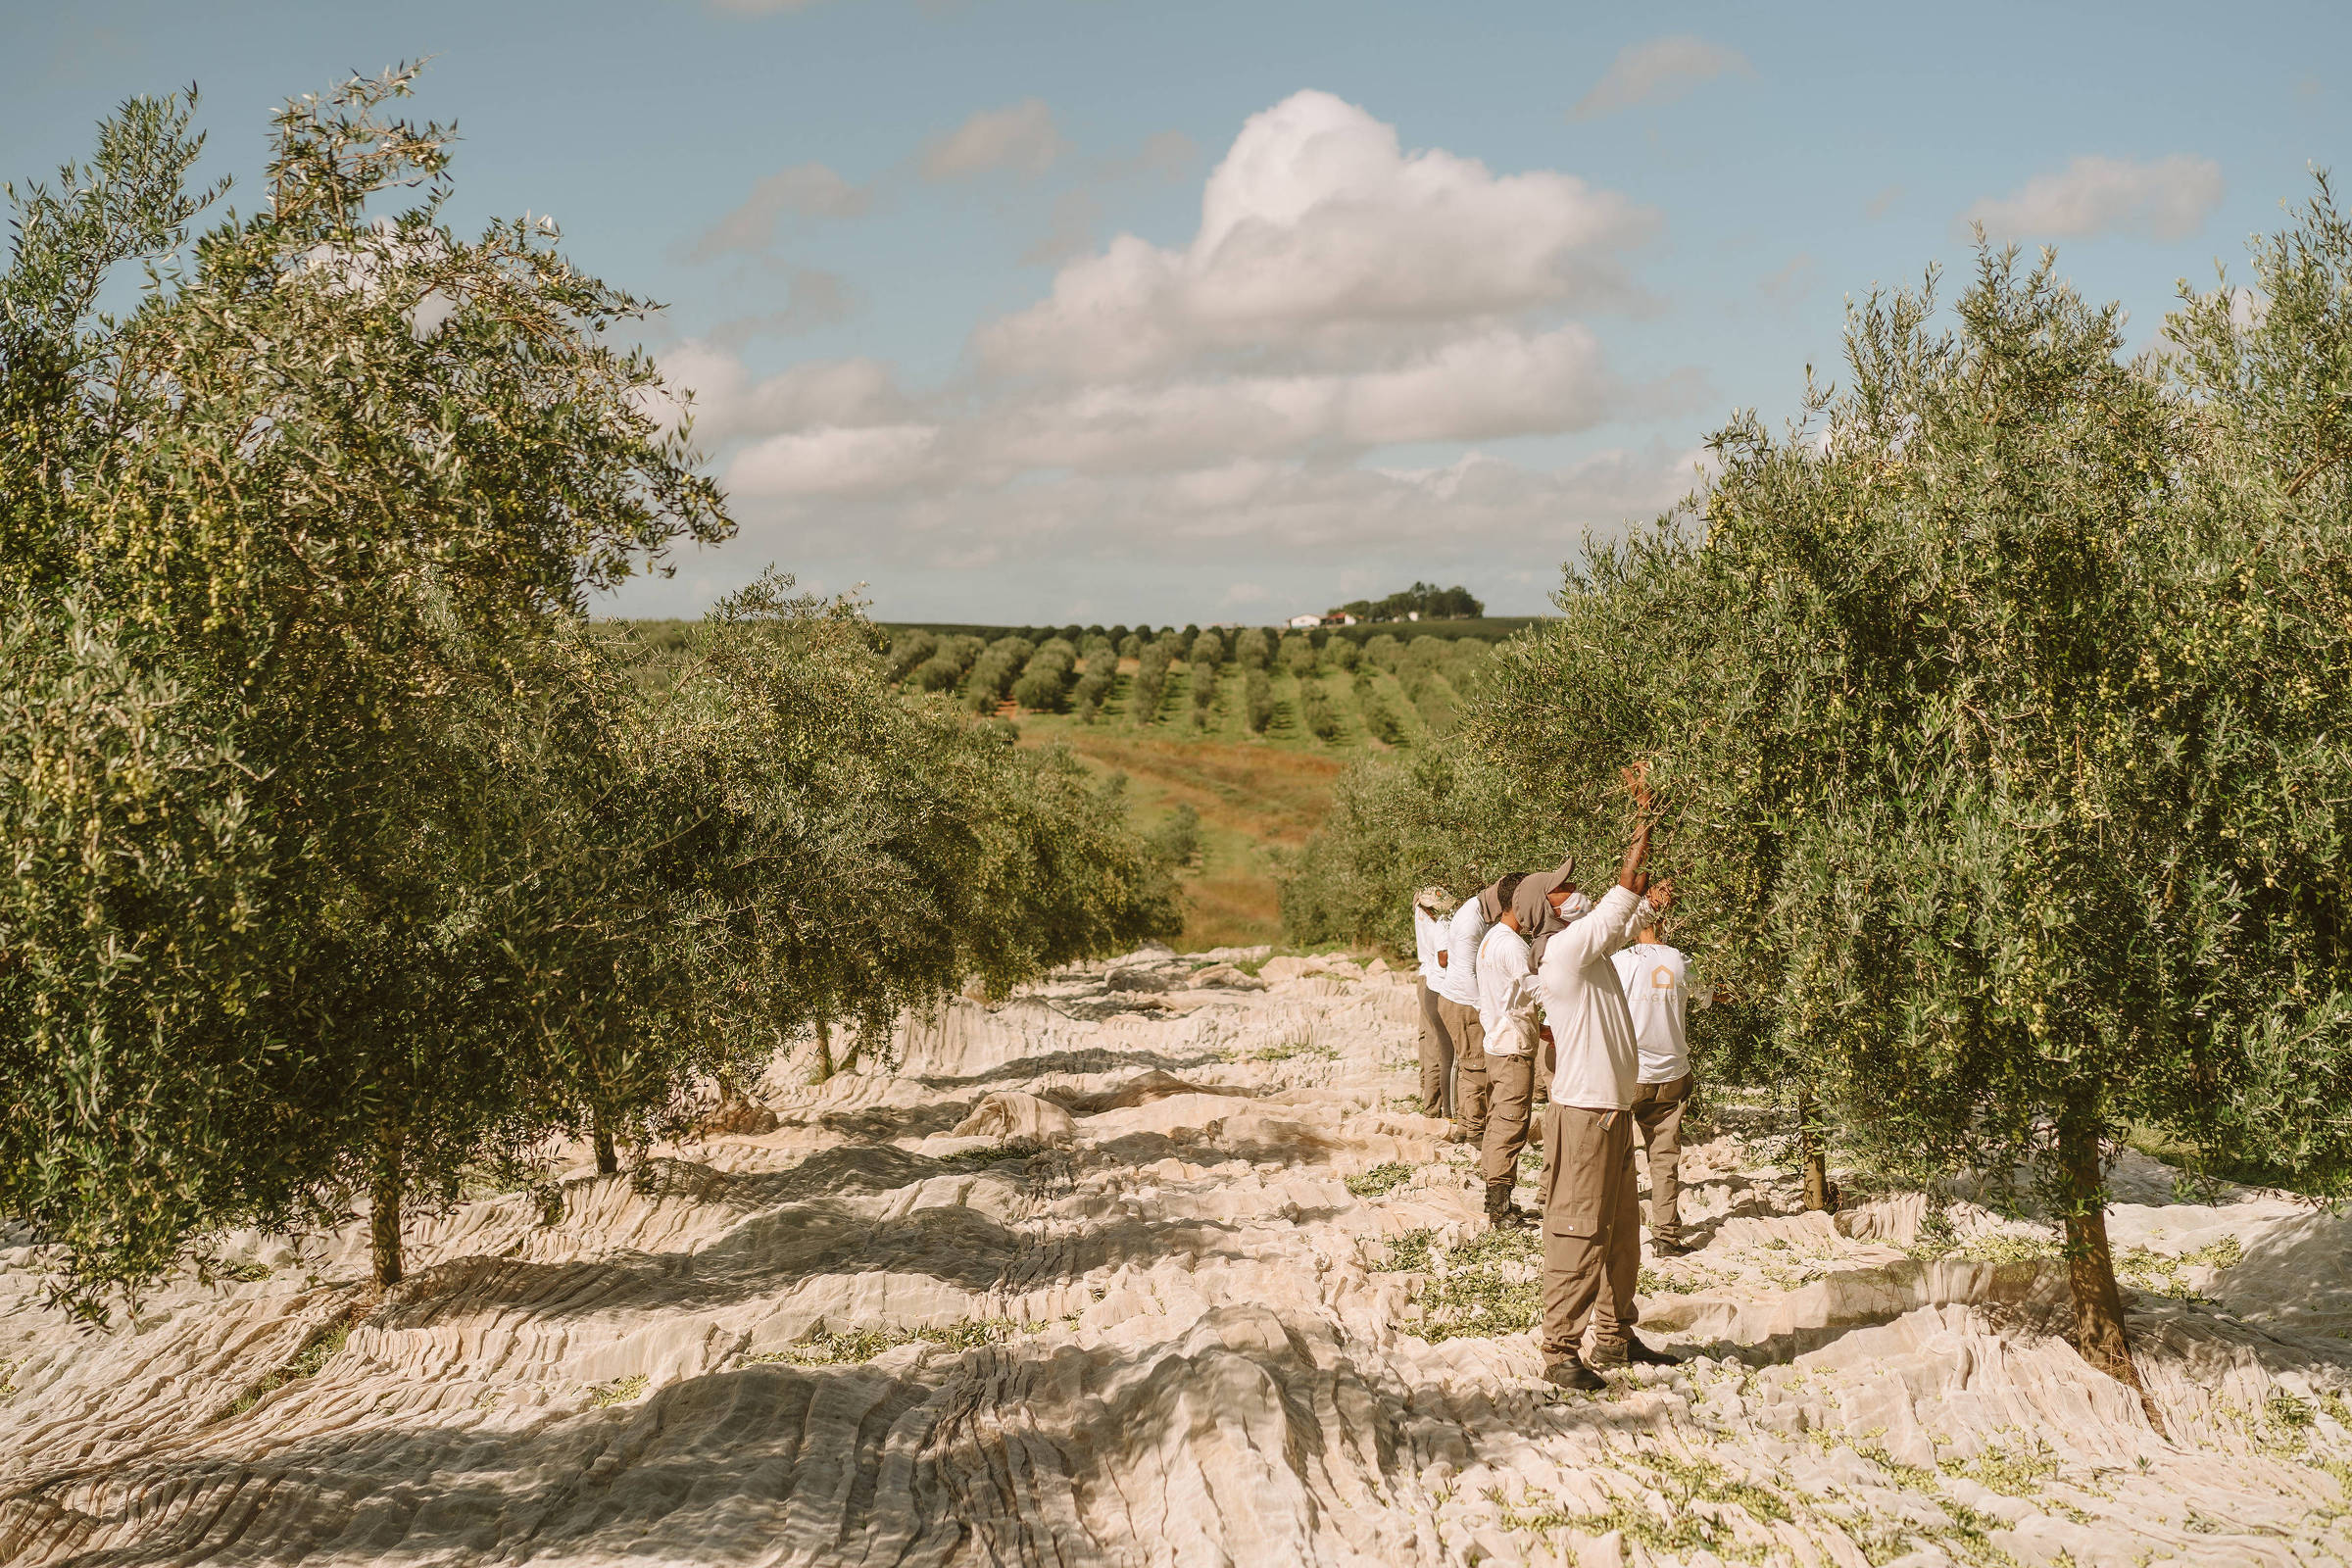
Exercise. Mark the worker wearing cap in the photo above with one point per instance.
(1592, 1227)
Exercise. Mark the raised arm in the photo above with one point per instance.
(1610, 924)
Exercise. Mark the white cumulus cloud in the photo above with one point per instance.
(1317, 231)
(1343, 300)
(2164, 199)
(1659, 71)
(1020, 138)
(729, 404)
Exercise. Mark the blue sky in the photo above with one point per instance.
(1053, 310)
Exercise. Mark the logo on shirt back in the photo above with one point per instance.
(1662, 979)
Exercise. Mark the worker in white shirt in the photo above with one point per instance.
(1507, 1002)
(1591, 1228)
(1456, 985)
(1657, 988)
(1430, 906)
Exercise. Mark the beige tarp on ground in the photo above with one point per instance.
(1158, 1333)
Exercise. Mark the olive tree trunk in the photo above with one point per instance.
(383, 1198)
(823, 1068)
(857, 1049)
(1816, 1152)
(608, 1158)
(2099, 1333)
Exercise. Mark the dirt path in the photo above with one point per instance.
(1134, 1313)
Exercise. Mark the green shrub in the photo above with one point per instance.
(1207, 649)
(1250, 649)
(1257, 699)
(1178, 836)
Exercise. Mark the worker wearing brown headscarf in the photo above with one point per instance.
(1508, 1003)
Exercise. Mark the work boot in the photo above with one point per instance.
(1500, 1210)
(1668, 1245)
(1570, 1372)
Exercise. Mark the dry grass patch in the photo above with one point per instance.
(1257, 799)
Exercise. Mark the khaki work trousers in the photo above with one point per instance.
(1547, 1067)
(1591, 1228)
(1437, 1056)
(1659, 1113)
(1469, 1069)
(1510, 1084)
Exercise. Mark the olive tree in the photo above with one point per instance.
(1997, 714)
(317, 505)
(1046, 679)
(1257, 699)
(908, 649)
(2053, 672)
(1149, 687)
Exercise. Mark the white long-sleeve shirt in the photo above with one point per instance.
(1457, 980)
(1429, 935)
(1506, 992)
(1657, 988)
(1584, 1002)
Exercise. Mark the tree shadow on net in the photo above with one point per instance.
(1091, 1059)
(766, 1253)
(765, 1463)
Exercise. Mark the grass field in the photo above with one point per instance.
(1257, 793)
(1256, 800)
(1258, 796)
